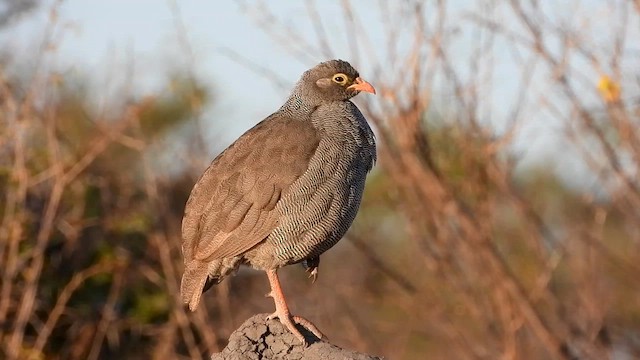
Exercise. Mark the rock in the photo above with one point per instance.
(259, 339)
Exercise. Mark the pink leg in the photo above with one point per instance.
(282, 310)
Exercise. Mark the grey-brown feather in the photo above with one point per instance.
(286, 190)
(232, 207)
(323, 203)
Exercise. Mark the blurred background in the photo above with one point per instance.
(502, 220)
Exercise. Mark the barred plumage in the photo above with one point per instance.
(287, 190)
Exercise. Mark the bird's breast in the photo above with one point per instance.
(320, 206)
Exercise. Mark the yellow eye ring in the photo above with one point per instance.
(340, 78)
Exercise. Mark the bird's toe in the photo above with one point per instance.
(273, 316)
(313, 275)
(309, 326)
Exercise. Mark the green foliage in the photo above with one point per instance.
(150, 306)
(163, 113)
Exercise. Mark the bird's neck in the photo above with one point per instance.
(298, 106)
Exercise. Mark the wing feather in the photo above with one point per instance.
(232, 207)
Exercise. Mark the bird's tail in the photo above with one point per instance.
(193, 281)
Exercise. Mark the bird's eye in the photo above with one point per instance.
(340, 79)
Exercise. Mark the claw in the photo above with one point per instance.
(311, 266)
(313, 274)
(272, 316)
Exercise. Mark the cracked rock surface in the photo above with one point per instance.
(259, 339)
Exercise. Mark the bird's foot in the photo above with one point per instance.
(311, 266)
(313, 274)
(282, 310)
(289, 322)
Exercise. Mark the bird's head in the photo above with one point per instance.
(333, 80)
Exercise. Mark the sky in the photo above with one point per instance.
(98, 35)
(94, 35)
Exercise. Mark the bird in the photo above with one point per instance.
(284, 192)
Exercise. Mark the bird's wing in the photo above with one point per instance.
(232, 206)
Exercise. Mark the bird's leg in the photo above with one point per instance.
(282, 310)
